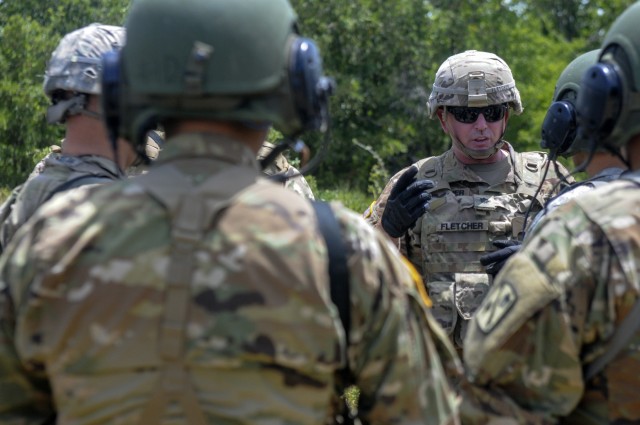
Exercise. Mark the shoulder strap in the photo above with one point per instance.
(192, 209)
(77, 182)
(7, 205)
(338, 271)
(339, 286)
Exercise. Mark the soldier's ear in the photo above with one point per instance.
(440, 112)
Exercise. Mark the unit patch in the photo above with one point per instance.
(495, 306)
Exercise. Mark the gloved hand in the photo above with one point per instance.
(407, 202)
(494, 261)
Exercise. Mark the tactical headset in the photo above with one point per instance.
(308, 92)
(559, 128)
(601, 99)
(560, 125)
(608, 107)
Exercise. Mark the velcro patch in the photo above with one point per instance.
(463, 226)
(495, 306)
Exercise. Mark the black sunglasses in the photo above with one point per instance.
(468, 115)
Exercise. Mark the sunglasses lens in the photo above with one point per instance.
(465, 115)
(493, 113)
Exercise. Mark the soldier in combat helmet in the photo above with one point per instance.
(444, 212)
(72, 83)
(560, 136)
(201, 292)
(559, 330)
(281, 167)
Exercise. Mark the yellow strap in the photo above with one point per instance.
(370, 209)
(417, 280)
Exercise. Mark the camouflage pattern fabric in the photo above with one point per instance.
(476, 79)
(82, 296)
(575, 191)
(7, 206)
(152, 150)
(75, 65)
(56, 170)
(280, 165)
(464, 217)
(554, 308)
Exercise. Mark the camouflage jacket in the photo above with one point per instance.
(49, 176)
(554, 308)
(280, 165)
(465, 215)
(83, 297)
(576, 190)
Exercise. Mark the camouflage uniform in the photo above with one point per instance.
(554, 308)
(466, 214)
(72, 76)
(575, 190)
(57, 171)
(83, 296)
(152, 150)
(295, 182)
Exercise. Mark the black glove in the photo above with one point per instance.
(407, 202)
(494, 261)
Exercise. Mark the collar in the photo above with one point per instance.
(209, 146)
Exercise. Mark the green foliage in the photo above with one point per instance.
(29, 31)
(383, 55)
(351, 197)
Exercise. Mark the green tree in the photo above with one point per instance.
(382, 54)
(29, 32)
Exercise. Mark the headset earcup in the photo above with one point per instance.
(559, 127)
(309, 88)
(111, 92)
(600, 100)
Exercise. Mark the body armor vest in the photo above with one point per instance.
(465, 216)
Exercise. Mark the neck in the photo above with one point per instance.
(88, 136)
(466, 159)
(599, 162)
(252, 138)
(633, 152)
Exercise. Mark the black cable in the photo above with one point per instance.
(535, 195)
(297, 145)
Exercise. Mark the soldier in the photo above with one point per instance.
(558, 331)
(155, 140)
(281, 167)
(72, 84)
(199, 292)
(476, 192)
(560, 136)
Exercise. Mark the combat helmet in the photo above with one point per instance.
(75, 67)
(474, 79)
(608, 104)
(559, 128)
(231, 60)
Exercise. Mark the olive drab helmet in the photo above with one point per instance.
(608, 104)
(230, 60)
(559, 128)
(474, 79)
(75, 67)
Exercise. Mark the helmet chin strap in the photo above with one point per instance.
(475, 153)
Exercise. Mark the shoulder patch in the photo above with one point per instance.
(495, 307)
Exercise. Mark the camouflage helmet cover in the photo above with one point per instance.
(75, 65)
(475, 79)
